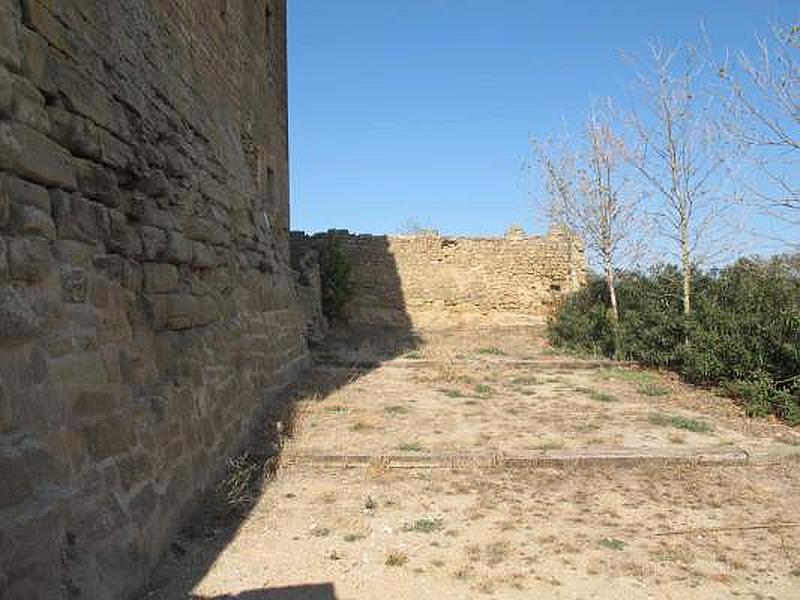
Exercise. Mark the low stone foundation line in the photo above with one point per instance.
(580, 458)
(410, 364)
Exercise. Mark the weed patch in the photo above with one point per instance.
(679, 422)
(425, 525)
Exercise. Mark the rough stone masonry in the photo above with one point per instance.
(146, 297)
(431, 281)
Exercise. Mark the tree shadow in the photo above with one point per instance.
(346, 354)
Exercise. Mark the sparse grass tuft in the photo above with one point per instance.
(396, 410)
(652, 389)
(629, 375)
(484, 390)
(612, 543)
(320, 531)
(426, 525)
(596, 395)
(410, 447)
(524, 380)
(452, 393)
(491, 350)
(353, 537)
(362, 426)
(396, 558)
(679, 422)
(414, 355)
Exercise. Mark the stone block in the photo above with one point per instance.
(178, 250)
(3, 262)
(30, 154)
(174, 311)
(143, 506)
(5, 204)
(134, 469)
(87, 97)
(15, 485)
(154, 242)
(79, 219)
(110, 436)
(79, 135)
(28, 220)
(160, 278)
(114, 268)
(26, 192)
(6, 92)
(154, 185)
(29, 259)
(35, 61)
(84, 367)
(74, 285)
(18, 319)
(28, 105)
(95, 403)
(113, 151)
(10, 27)
(98, 182)
(38, 16)
(203, 256)
(74, 253)
(122, 238)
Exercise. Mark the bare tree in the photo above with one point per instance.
(588, 192)
(679, 154)
(763, 94)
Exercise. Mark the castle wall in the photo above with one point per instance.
(430, 281)
(147, 306)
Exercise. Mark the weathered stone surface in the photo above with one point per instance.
(18, 320)
(98, 183)
(28, 105)
(109, 437)
(15, 486)
(77, 134)
(35, 61)
(32, 155)
(125, 210)
(74, 285)
(29, 259)
(417, 280)
(78, 218)
(10, 54)
(26, 192)
(160, 278)
(29, 220)
(6, 92)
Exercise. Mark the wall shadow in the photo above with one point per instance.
(349, 351)
(322, 591)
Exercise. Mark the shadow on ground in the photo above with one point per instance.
(321, 591)
(222, 510)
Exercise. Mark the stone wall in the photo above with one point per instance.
(147, 306)
(430, 281)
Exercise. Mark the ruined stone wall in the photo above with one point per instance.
(430, 281)
(147, 306)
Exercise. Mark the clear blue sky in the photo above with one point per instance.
(422, 109)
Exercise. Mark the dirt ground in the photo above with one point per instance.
(656, 530)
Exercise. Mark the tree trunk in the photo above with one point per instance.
(612, 294)
(686, 267)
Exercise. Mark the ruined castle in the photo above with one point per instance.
(148, 306)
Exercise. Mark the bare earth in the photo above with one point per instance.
(338, 519)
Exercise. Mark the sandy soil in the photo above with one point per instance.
(605, 532)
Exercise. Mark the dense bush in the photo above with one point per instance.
(743, 334)
(334, 273)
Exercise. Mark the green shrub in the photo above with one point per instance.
(744, 331)
(334, 273)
